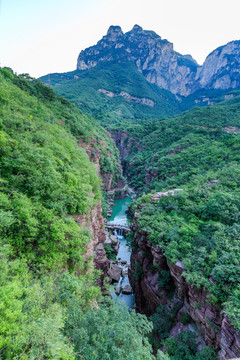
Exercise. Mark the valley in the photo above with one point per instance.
(136, 128)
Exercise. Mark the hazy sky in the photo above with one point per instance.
(43, 36)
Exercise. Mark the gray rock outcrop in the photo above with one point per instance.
(160, 64)
(221, 69)
(114, 271)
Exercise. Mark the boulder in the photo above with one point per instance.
(123, 262)
(127, 289)
(117, 289)
(114, 271)
(125, 271)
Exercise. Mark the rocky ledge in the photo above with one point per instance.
(128, 97)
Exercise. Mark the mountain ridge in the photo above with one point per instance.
(160, 64)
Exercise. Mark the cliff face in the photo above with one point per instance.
(221, 69)
(156, 59)
(95, 156)
(147, 266)
(94, 223)
(123, 142)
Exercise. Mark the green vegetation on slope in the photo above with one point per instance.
(45, 176)
(167, 153)
(199, 225)
(49, 299)
(80, 87)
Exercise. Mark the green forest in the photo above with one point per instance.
(49, 294)
(51, 306)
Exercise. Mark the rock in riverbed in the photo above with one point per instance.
(127, 289)
(114, 271)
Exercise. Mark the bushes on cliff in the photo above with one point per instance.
(45, 177)
(162, 320)
(35, 312)
(170, 153)
(199, 226)
(184, 346)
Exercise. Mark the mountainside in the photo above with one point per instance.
(153, 57)
(115, 92)
(161, 65)
(221, 69)
(50, 225)
(159, 154)
(185, 232)
(138, 75)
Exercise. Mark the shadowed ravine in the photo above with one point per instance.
(119, 217)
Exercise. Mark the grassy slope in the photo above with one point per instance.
(80, 87)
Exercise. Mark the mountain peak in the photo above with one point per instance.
(137, 29)
(114, 32)
(156, 59)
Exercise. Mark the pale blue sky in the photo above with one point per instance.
(43, 36)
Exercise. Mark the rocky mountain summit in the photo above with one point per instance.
(156, 59)
(221, 69)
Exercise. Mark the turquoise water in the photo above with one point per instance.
(119, 217)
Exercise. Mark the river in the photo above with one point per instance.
(119, 217)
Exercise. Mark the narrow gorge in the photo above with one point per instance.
(160, 285)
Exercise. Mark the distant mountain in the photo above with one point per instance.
(138, 75)
(153, 57)
(221, 69)
(161, 65)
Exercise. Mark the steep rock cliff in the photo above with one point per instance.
(153, 56)
(110, 179)
(94, 223)
(221, 69)
(148, 265)
(156, 59)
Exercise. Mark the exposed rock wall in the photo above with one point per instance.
(221, 69)
(127, 96)
(156, 59)
(153, 56)
(94, 155)
(123, 142)
(214, 325)
(94, 223)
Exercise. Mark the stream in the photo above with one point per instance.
(119, 217)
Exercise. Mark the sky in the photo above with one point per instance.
(45, 36)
